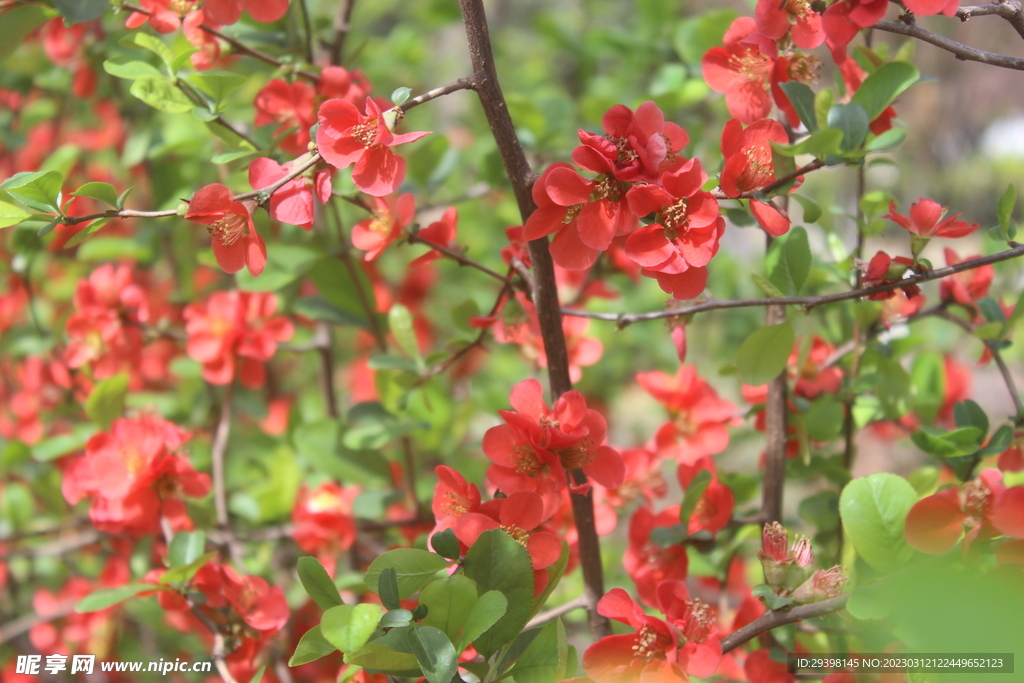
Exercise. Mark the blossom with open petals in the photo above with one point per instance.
(346, 137)
(937, 522)
(775, 19)
(390, 215)
(741, 71)
(236, 244)
(291, 105)
(226, 12)
(748, 155)
(926, 220)
(292, 202)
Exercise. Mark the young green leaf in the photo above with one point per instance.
(873, 510)
(764, 354)
(348, 627)
(312, 646)
(497, 562)
(103, 599)
(106, 401)
(415, 568)
(318, 583)
(883, 86)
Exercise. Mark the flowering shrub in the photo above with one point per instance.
(405, 409)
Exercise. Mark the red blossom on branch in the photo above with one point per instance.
(236, 244)
(292, 202)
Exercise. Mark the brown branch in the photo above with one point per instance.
(1011, 10)
(454, 86)
(775, 436)
(555, 612)
(237, 44)
(776, 184)
(545, 292)
(60, 546)
(782, 617)
(200, 102)
(961, 51)
(342, 25)
(25, 623)
(459, 258)
(325, 348)
(252, 194)
(808, 302)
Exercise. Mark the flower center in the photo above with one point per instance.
(181, 7)
(571, 213)
(526, 461)
(645, 639)
(751, 65)
(228, 229)
(578, 456)
(518, 534)
(608, 188)
(627, 154)
(804, 68)
(977, 498)
(675, 218)
(697, 625)
(365, 133)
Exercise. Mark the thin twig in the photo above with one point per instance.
(342, 25)
(808, 302)
(25, 623)
(60, 546)
(307, 29)
(454, 86)
(238, 45)
(1011, 10)
(555, 612)
(200, 102)
(461, 259)
(962, 52)
(781, 617)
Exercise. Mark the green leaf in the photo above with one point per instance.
(956, 443)
(764, 354)
(381, 658)
(81, 11)
(890, 139)
(485, 613)
(182, 57)
(694, 491)
(824, 419)
(37, 190)
(234, 156)
(106, 402)
(873, 510)
(348, 627)
(318, 583)
(999, 442)
(387, 588)
(153, 44)
(103, 192)
(824, 143)
(853, 121)
(337, 286)
(766, 286)
(435, 653)
(217, 84)
(928, 377)
(892, 387)
(497, 562)
(446, 544)
(555, 574)
(540, 660)
(159, 93)
(62, 444)
(969, 414)
(400, 96)
(186, 571)
(398, 618)
(11, 215)
(449, 604)
(103, 599)
(312, 646)
(258, 676)
(883, 86)
(789, 261)
(186, 547)
(802, 99)
(415, 568)
(18, 22)
(823, 102)
(1004, 209)
(132, 70)
(812, 212)
(401, 325)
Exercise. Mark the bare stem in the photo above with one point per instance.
(459, 258)
(808, 302)
(781, 617)
(907, 27)
(342, 25)
(25, 623)
(454, 86)
(1011, 10)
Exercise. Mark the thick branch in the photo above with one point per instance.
(545, 292)
(808, 302)
(782, 617)
(775, 436)
(962, 52)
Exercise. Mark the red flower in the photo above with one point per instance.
(1007, 514)
(391, 215)
(699, 419)
(453, 497)
(761, 668)
(291, 105)
(884, 269)
(773, 21)
(965, 287)
(748, 154)
(442, 233)
(346, 137)
(924, 8)
(843, 19)
(323, 521)
(937, 522)
(672, 650)
(339, 83)
(642, 479)
(926, 220)
(236, 244)
(226, 12)
(677, 247)
(164, 15)
(231, 328)
(715, 506)
(635, 147)
(561, 196)
(646, 562)
(741, 71)
(133, 477)
(813, 379)
(292, 202)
